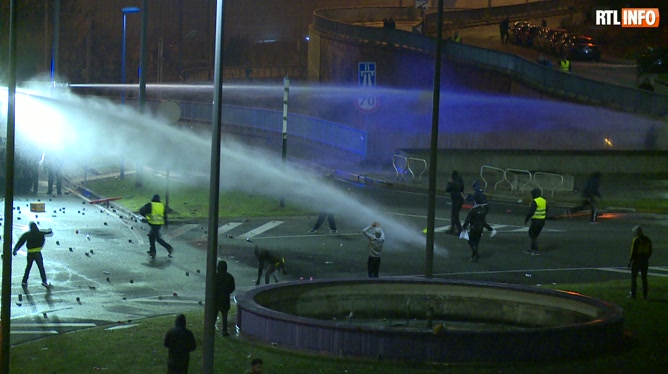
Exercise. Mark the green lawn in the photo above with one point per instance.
(139, 349)
(190, 202)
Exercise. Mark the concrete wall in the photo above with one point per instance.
(560, 162)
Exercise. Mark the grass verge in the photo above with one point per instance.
(190, 202)
(139, 349)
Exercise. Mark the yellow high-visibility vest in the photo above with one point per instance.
(565, 66)
(541, 208)
(157, 215)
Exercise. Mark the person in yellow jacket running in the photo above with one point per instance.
(154, 211)
(34, 241)
(537, 214)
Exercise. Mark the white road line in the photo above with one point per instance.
(529, 271)
(223, 229)
(259, 230)
(306, 236)
(64, 324)
(121, 327)
(180, 231)
(34, 332)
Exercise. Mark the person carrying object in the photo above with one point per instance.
(479, 195)
(475, 218)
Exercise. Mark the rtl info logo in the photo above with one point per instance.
(630, 17)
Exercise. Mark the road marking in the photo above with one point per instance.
(180, 231)
(306, 236)
(64, 324)
(120, 327)
(34, 332)
(223, 229)
(259, 230)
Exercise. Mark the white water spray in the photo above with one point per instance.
(84, 129)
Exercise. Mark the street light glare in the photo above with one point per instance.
(131, 9)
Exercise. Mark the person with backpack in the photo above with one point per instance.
(641, 251)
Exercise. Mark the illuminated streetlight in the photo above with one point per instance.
(126, 11)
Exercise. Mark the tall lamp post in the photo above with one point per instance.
(126, 11)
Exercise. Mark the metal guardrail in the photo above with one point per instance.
(402, 165)
(556, 179)
(498, 171)
(518, 179)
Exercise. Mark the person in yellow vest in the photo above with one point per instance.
(154, 211)
(34, 241)
(565, 64)
(537, 214)
(457, 38)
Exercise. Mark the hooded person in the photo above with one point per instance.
(34, 240)
(455, 187)
(224, 288)
(180, 342)
(154, 211)
(478, 197)
(537, 214)
(641, 251)
(376, 238)
(476, 219)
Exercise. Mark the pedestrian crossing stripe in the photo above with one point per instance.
(506, 229)
(180, 231)
(223, 229)
(259, 230)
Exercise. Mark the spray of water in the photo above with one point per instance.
(82, 129)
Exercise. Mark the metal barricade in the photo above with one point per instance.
(400, 164)
(548, 181)
(500, 173)
(520, 179)
(413, 160)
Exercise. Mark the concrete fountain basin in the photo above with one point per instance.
(413, 319)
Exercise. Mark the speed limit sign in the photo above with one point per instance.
(366, 77)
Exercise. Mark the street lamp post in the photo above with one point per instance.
(126, 11)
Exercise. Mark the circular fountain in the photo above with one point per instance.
(430, 320)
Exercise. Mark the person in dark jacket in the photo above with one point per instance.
(224, 288)
(504, 25)
(537, 214)
(456, 189)
(275, 262)
(180, 341)
(590, 196)
(54, 165)
(641, 251)
(475, 218)
(34, 241)
(322, 216)
(154, 211)
(479, 195)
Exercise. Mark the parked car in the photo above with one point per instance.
(581, 47)
(517, 30)
(543, 41)
(654, 60)
(528, 36)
